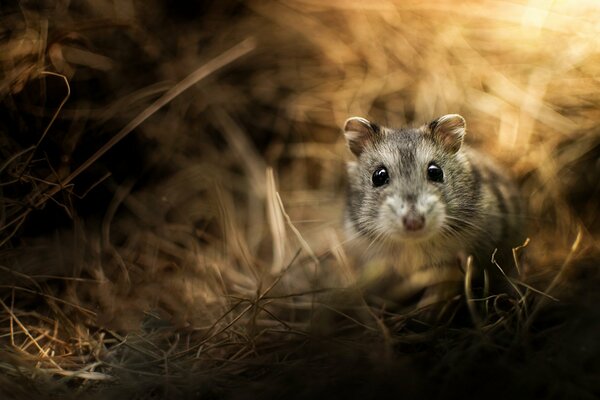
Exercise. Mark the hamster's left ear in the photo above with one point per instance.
(449, 130)
(359, 133)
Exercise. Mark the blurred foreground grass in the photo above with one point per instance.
(172, 182)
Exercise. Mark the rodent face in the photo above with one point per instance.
(425, 173)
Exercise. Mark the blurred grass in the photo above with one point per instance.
(196, 255)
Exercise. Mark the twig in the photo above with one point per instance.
(207, 69)
(204, 71)
(26, 331)
(469, 291)
(558, 277)
(54, 116)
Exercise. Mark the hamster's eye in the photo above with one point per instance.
(380, 177)
(435, 173)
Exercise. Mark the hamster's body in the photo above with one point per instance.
(419, 201)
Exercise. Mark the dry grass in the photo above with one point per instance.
(171, 187)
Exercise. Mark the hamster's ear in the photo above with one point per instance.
(449, 130)
(359, 132)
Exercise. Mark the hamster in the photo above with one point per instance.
(420, 201)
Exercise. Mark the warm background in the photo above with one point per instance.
(164, 236)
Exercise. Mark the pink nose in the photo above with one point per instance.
(413, 222)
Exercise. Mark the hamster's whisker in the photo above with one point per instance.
(448, 232)
(466, 223)
(378, 240)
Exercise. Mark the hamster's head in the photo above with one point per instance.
(406, 184)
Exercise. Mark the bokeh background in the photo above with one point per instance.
(172, 185)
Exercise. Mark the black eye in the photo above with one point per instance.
(380, 177)
(435, 173)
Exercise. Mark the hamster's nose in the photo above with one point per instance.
(413, 222)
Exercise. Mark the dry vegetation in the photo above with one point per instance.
(171, 187)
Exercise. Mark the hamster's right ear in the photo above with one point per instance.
(359, 132)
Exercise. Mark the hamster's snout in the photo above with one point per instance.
(413, 221)
(415, 217)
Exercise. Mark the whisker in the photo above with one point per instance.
(467, 223)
